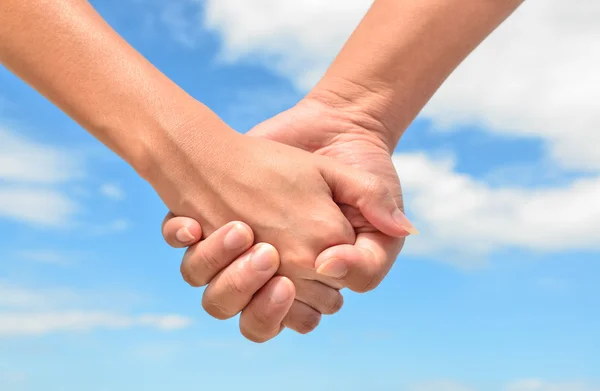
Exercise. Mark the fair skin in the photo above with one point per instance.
(290, 197)
(396, 59)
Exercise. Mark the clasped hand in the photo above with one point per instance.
(309, 207)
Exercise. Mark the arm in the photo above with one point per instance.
(401, 53)
(396, 59)
(67, 52)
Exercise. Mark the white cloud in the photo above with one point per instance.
(535, 76)
(40, 323)
(175, 15)
(297, 39)
(442, 385)
(16, 297)
(26, 161)
(30, 173)
(33, 179)
(25, 311)
(39, 206)
(539, 385)
(115, 226)
(50, 257)
(464, 219)
(112, 191)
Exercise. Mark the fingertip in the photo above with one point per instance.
(262, 318)
(238, 235)
(341, 253)
(302, 318)
(354, 267)
(182, 232)
(332, 263)
(264, 258)
(282, 290)
(405, 225)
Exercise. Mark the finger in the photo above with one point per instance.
(180, 231)
(322, 298)
(360, 267)
(203, 261)
(262, 319)
(302, 318)
(232, 289)
(370, 195)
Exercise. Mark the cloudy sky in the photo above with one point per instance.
(501, 172)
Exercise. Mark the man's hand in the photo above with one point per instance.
(320, 128)
(349, 136)
(290, 197)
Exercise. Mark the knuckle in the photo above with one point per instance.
(256, 326)
(210, 259)
(188, 272)
(235, 284)
(336, 230)
(329, 227)
(377, 185)
(333, 304)
(369, 284)
(215, 309)
(293, 261)
(375, 188)
(199, 265)
(260, 319)
(308, 323)
(253, 337)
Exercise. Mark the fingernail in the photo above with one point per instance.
(334, 268)
(262, 258)
(403, 221)
(281, 293)
(184, 235)
(236, 238)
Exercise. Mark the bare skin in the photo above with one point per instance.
(290, 197)
(396, 59)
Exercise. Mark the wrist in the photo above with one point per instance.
(168, 144)
(374, 108)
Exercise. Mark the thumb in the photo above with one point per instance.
(370, 195)
(180, 231)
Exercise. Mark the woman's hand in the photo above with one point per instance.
(290, 199)
(240, 276)
(236, 283)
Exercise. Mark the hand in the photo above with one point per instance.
(240, 276)
(358, 140)
(317, 127)
(233, 280)
(299, 242)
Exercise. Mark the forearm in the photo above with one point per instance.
(401, 53)
(67, 52)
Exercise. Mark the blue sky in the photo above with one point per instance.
(500, 296)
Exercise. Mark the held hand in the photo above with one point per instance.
(351, 138)
(261, 317)
(240, 277)
(302, 317)
(290, 197)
